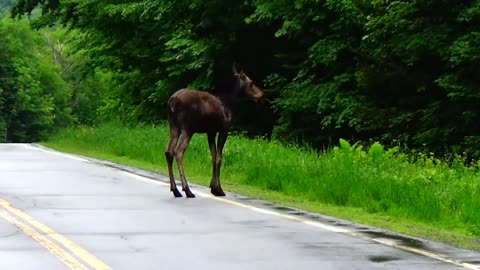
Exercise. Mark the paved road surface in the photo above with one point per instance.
(59, 212)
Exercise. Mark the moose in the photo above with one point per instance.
(192, 111)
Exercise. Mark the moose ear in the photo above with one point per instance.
(234, 69)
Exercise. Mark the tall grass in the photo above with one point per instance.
(420, 188)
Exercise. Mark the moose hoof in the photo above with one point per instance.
(177, 193)
(217, 192)
(189, 194)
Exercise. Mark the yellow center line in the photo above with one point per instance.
(74, 248)
(66, 258)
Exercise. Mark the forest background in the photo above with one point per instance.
(399, 72)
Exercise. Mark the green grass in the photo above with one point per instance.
(425, 196)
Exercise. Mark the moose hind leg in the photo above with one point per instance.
(179, 153)
(213, 152)
(215, 186)
(170, 154)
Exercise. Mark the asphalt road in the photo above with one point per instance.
(59, 212)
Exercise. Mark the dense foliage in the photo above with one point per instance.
(398, 71)
(42, 85)
(32, 98)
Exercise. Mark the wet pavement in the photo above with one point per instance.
(129, 222)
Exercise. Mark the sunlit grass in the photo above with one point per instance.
(376, 181)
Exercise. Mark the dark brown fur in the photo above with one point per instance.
(191, 111)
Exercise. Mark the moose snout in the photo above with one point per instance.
(259, 95)
(260, 98)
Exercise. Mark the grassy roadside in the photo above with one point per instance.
(425, 198)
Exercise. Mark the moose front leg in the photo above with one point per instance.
(170, 154)
(215, 186)
(179, 153)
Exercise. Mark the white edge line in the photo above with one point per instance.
(28, 146)
(436, 256)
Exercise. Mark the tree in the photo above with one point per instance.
(5, 6)
(195, 45)
(33, 97)
(396, 71)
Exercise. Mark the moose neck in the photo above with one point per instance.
(227, 99)
(228, 95)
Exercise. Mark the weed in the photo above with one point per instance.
(416, 187)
